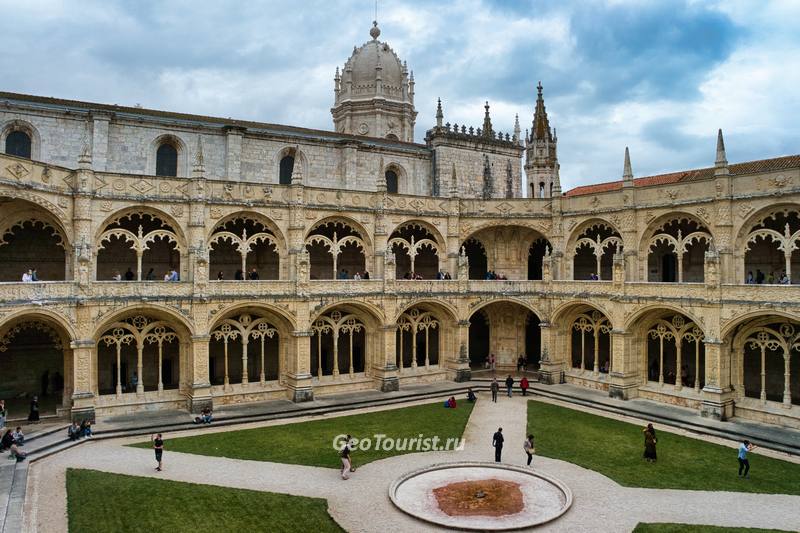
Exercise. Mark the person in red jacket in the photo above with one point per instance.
(523, 384)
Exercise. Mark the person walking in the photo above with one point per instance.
(33, 414)
(158, 446)
(345, 456)
(509, 384)
(650, 444)
(497, 442)
(524, 384)
(529, 448)
(744, 464)
(495, 387)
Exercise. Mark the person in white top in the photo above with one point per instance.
(27, 277)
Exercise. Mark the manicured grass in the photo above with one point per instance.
(687, 528)
(99, 501)
(311, 443)
(614, 449)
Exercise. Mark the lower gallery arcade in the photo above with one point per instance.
(148, 358)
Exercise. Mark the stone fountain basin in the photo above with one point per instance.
(544, 498)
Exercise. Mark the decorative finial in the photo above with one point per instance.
(487, 122)
(627, 171)
(439, 113)
(539, 88)
(375, 31)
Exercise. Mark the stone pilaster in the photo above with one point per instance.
(551, 363)
(83, 352)
(233, 153)
(624, 378)
(200, 394)
(298, 376)
(459, 363)
(717, 393)
(385, 374)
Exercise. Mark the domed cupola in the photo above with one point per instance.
(375, 93)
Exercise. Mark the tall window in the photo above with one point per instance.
(287, 167)
(18, 143)
(391, 181)
(167, 160)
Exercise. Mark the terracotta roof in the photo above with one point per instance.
(207, 120)
(748, 167)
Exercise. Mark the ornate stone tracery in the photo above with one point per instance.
(415, 321)
(244, 329)
(335, 324)
(677, 329)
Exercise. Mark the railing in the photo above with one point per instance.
(43, 292)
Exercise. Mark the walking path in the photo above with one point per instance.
(361, 504)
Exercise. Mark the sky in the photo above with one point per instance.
(659, 77)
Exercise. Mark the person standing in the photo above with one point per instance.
(509, 384)
(158, 447)
(650, 443)
(529, 448)
(523, 384)
(492, 362)
(744, 464)
(34, 275)
(3, 414)
(33, 415)
(495, 387)
(345, 456)
(497, 442)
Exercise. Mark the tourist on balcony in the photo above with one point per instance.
(34, 275)
(471, 395)
(365, 275)
(173, 274)
(343, 274)
(151, 274)
(750, 279)
(117, 276)
(685, 375)
(650, 443)
(529, 448)
(134, 381)
(509, 384)
(27, 277)
(497, 442)
(523, 384)
(357, 276)
(439, 275)
(784, 279)
(239, 275)
(447, 275)
(220, 276)
(495, 388)
(129, 274)
(33, 415)
(254, 274)
(167, 275)
(759, 276)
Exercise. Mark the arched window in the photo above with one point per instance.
(18, 143)
(167, 160)
(287, 167)
(391, 181)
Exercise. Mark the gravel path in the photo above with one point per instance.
(362, 504)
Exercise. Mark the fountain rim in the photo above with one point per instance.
(480, 464)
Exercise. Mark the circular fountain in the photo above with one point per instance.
(480, 496)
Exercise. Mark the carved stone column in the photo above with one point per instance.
(625, 376)
(551, 361)
(298, 375)
(458, 363)
(717, 394)
(83, 353)
(200, 395)
(386, 377)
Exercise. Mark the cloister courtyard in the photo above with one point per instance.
(284, 475)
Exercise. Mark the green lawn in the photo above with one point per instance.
(98, 501)
(614, 449)
(311, 443)
(686, 528)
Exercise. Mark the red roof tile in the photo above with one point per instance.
(748, 167)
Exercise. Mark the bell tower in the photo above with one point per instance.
(541, 156)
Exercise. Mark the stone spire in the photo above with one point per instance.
(198, 168)
(721, 163)
(627, 171)
(487, 122)
(541, 124)
(439, 114)
(453, 183)
(517, 131)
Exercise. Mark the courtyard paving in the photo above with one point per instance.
(361, 504)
